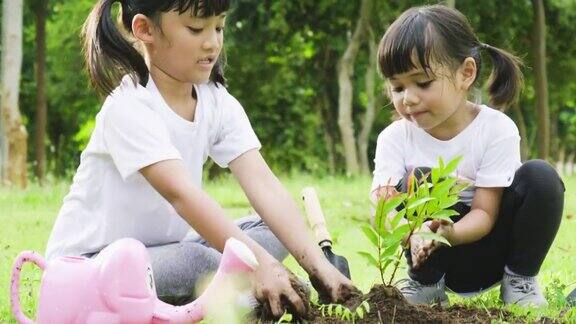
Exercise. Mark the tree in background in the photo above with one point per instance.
(283, 67)
(541, 78)
(40, 8)
(13, 135)
(345, 73)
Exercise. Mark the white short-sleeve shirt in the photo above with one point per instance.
(109, 199)
(489, 145)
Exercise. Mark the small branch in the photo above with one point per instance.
(395, 267)
(380, 268)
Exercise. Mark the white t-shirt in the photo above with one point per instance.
(109, 199)
(490, 146)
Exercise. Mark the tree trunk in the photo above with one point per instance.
(41, 109)
(327, 116)
(14, 147)
(345, 72)
(524, 146)
(369, 116)
(541, 78)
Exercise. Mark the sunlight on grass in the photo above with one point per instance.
(27, 218)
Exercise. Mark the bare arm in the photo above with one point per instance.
(481, 218)
(171, 180)
(277, 208)
(282, 215)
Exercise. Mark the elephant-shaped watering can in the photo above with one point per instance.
(117, 286)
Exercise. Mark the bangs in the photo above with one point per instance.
(407, 45)
(198, 8)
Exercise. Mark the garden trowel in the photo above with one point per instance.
(318, 225)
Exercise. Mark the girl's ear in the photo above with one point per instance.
(142, 28)
(467, 73)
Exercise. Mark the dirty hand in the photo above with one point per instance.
(445, 228)
(424, 247)
(417, 249)
(332, 286)
(274, 285)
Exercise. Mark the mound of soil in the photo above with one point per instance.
(387, 305)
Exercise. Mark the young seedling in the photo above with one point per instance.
(428, 198)
(344, 313)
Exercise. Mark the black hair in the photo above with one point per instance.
(109, 55)
(442, 35)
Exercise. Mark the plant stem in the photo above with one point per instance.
(380, 268)
(395, 267)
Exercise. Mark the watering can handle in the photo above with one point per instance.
(23, 257)
(315, 215)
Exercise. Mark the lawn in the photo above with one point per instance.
(27, 216)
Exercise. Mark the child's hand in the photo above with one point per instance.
(423, 248)
(418, 247)
(445, 228)
(332, 286)
(274, 287)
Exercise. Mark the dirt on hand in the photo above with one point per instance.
(263, 312)
(345, 293)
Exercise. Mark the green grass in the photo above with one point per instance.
(26, 218)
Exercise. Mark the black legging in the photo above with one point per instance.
(529, 217)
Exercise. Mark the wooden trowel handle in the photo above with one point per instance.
(313, 212)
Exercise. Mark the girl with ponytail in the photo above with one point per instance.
(166, 111)
(509, 215)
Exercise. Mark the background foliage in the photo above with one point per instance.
(282, 58)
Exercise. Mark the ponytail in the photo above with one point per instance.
(505, 79)
(109, 56)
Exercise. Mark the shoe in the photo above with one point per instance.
(521, 290)
(420, 294)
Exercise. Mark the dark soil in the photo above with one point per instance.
(387, 305)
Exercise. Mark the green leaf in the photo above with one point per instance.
(441, 166)
(346, 316)
(435, 176)
(396, 220)
(452, 165)
(386, 263)
(338, 311)
(397, 235)
(366, 306)
(370, 234)
(449, 202)
(442, 188)
(360, 312)
(369, 257)
(391, 250)
(420, 202)
(433, 236)
(444, 214)
(330, 307)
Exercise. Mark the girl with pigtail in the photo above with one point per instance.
(509, 215)
(166, 111)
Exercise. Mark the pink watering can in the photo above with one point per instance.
(117, 286)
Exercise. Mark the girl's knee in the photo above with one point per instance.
(539, 176)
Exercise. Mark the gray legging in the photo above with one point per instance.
(178, 266)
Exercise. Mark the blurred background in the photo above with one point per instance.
(304, 71)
